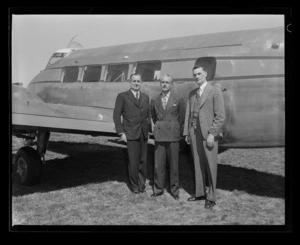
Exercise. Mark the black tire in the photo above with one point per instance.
(27, 169)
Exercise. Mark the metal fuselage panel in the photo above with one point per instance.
(251, 77)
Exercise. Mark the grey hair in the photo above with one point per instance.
(168, 75)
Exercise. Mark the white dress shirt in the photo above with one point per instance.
(136, 94)
(201, 89)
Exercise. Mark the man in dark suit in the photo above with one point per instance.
(133, 107)
(167, 112)
(205, 115)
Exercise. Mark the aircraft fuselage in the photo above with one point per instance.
(249, 71)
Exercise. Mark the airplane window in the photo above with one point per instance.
(150, 71)
(70, 74)
(117, 73)
(92, 74)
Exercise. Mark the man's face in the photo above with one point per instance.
(136, 83)
(165, 84)
(200, 76)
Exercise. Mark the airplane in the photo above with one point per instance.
(76, 91)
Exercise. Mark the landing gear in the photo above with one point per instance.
(28, 162)
(28, 166)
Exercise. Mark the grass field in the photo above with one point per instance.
(84, 182)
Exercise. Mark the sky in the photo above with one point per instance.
(36, 37)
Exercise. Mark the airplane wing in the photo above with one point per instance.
(31, 112)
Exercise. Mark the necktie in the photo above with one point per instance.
(137, 97)
(199, 92)
(164, 101)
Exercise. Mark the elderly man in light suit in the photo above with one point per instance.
(167, 113)
(204, 118)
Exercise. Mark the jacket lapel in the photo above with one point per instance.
(132, 98)
(143, 99)
(205, 93)
(159, 104)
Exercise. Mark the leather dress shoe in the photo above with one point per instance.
(136, 192)
(209, 204)
(193, 199)
(142, 191)
(176, 197)
(157, 194)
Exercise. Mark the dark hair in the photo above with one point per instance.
(196, 67)
(208, 64)
(136, 74)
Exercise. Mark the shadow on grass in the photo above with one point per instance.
(232, 178)
(94, 163)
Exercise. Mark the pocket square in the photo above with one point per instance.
(175, 105)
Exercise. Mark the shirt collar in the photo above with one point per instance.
(134, 92)
(167, 95)
(203, 86)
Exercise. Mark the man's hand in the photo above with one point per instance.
(123, 137)
(210, 140)
(187, 139)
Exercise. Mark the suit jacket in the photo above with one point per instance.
(211, 113)
(167, 122)
(135, 114)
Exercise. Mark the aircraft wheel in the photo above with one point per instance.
(27, 166)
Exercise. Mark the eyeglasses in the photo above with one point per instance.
(136, 81)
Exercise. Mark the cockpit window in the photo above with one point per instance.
(70, 74)
(56, 57)
(92, 74)
(117, 73)
(150, 71)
